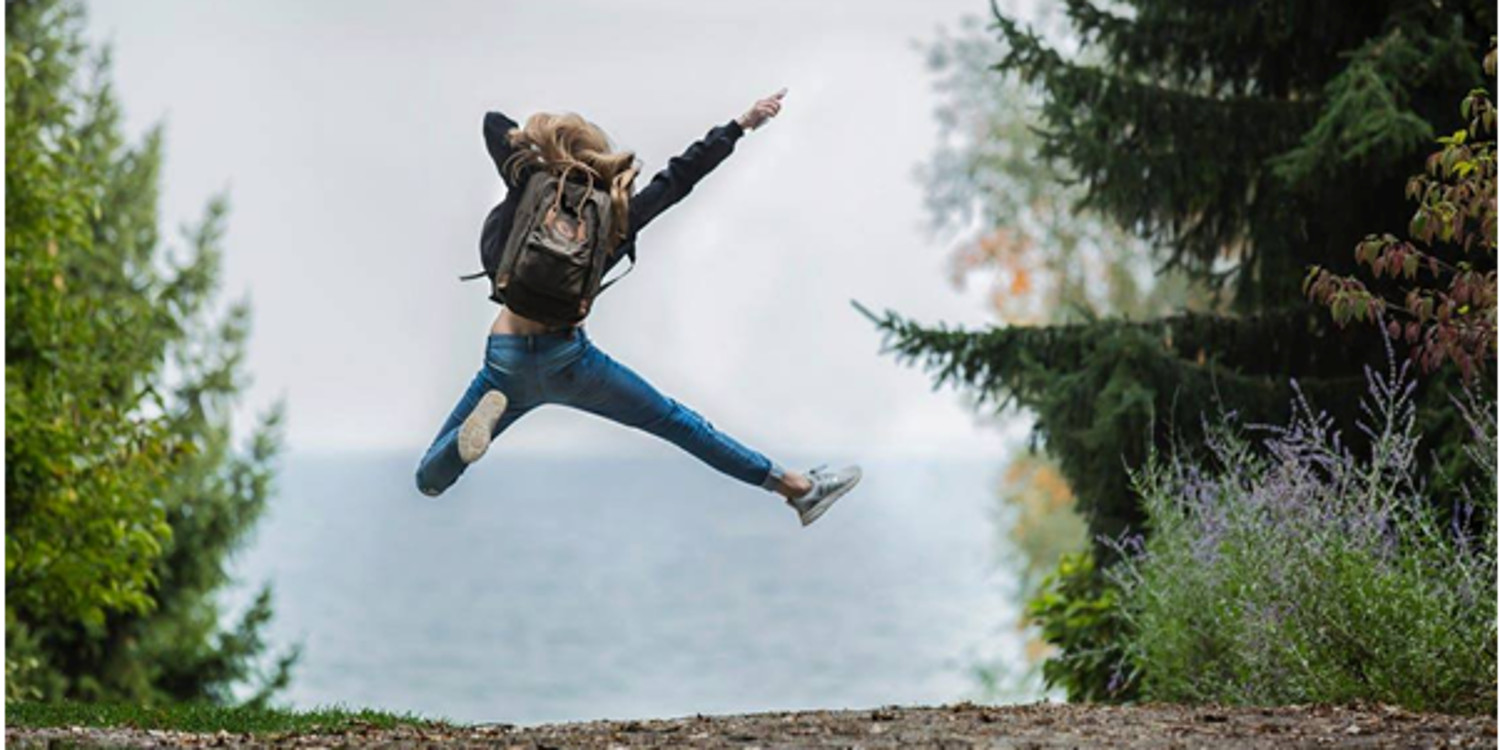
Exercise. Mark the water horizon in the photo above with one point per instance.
(548, 588)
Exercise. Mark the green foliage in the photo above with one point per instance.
(1295, 571)
(1368, 117)
(204, 718)
(1239, 144)
(1172, 120)
(124, 491)
(1211, 132)
(1080, 612)
(1448, 313)
(1108, 393)
(82, 462)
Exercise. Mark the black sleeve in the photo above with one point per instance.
(682, 173)
(496, 126)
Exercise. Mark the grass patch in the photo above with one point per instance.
(191, 717)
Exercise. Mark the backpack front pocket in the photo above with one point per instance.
(554, 266)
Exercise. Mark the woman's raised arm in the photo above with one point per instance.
(496, 128)
(684, 171)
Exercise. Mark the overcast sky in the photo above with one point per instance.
(348, 137)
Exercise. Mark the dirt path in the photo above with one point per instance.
(961, 726)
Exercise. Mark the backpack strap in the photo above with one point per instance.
(473, 276)
(562, 183)
(611, 282)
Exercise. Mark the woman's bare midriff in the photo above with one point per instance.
(508, 323)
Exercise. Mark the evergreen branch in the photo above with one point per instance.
(1029, 56)
(1367, 114)
(1107, 391)
(1176, 168)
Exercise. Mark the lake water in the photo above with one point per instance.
(563, 589)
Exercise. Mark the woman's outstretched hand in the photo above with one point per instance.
(761, 111)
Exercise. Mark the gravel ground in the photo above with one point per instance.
(1040, 725)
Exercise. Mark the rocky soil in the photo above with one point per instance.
(960, 726)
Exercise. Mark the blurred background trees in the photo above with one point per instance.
(126, 485)
(1042, 260)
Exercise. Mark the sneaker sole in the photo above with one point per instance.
(817, 511)
(479, 426)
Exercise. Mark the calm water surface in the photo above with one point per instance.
(561, 589)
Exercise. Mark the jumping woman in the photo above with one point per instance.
(570, 214)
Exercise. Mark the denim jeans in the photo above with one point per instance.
(566, 368)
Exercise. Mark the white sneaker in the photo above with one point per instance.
(474, 434)
(827, 488)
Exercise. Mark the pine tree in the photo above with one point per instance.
(1242, 143)
(124, 489)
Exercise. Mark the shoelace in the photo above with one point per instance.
(820, 478)
(816, 476)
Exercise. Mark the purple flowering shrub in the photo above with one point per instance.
(1289, 570)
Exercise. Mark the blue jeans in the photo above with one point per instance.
(566, 368)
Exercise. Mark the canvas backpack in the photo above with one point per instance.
(550, 266)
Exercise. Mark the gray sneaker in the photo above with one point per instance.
(827, 488)
(474, 434)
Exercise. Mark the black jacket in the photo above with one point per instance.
(666, 188)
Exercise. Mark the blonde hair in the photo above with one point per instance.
(559, 141)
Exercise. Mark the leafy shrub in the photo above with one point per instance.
(1079, 611)
(1301, 572)
(127, 484)
(1448, 308)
